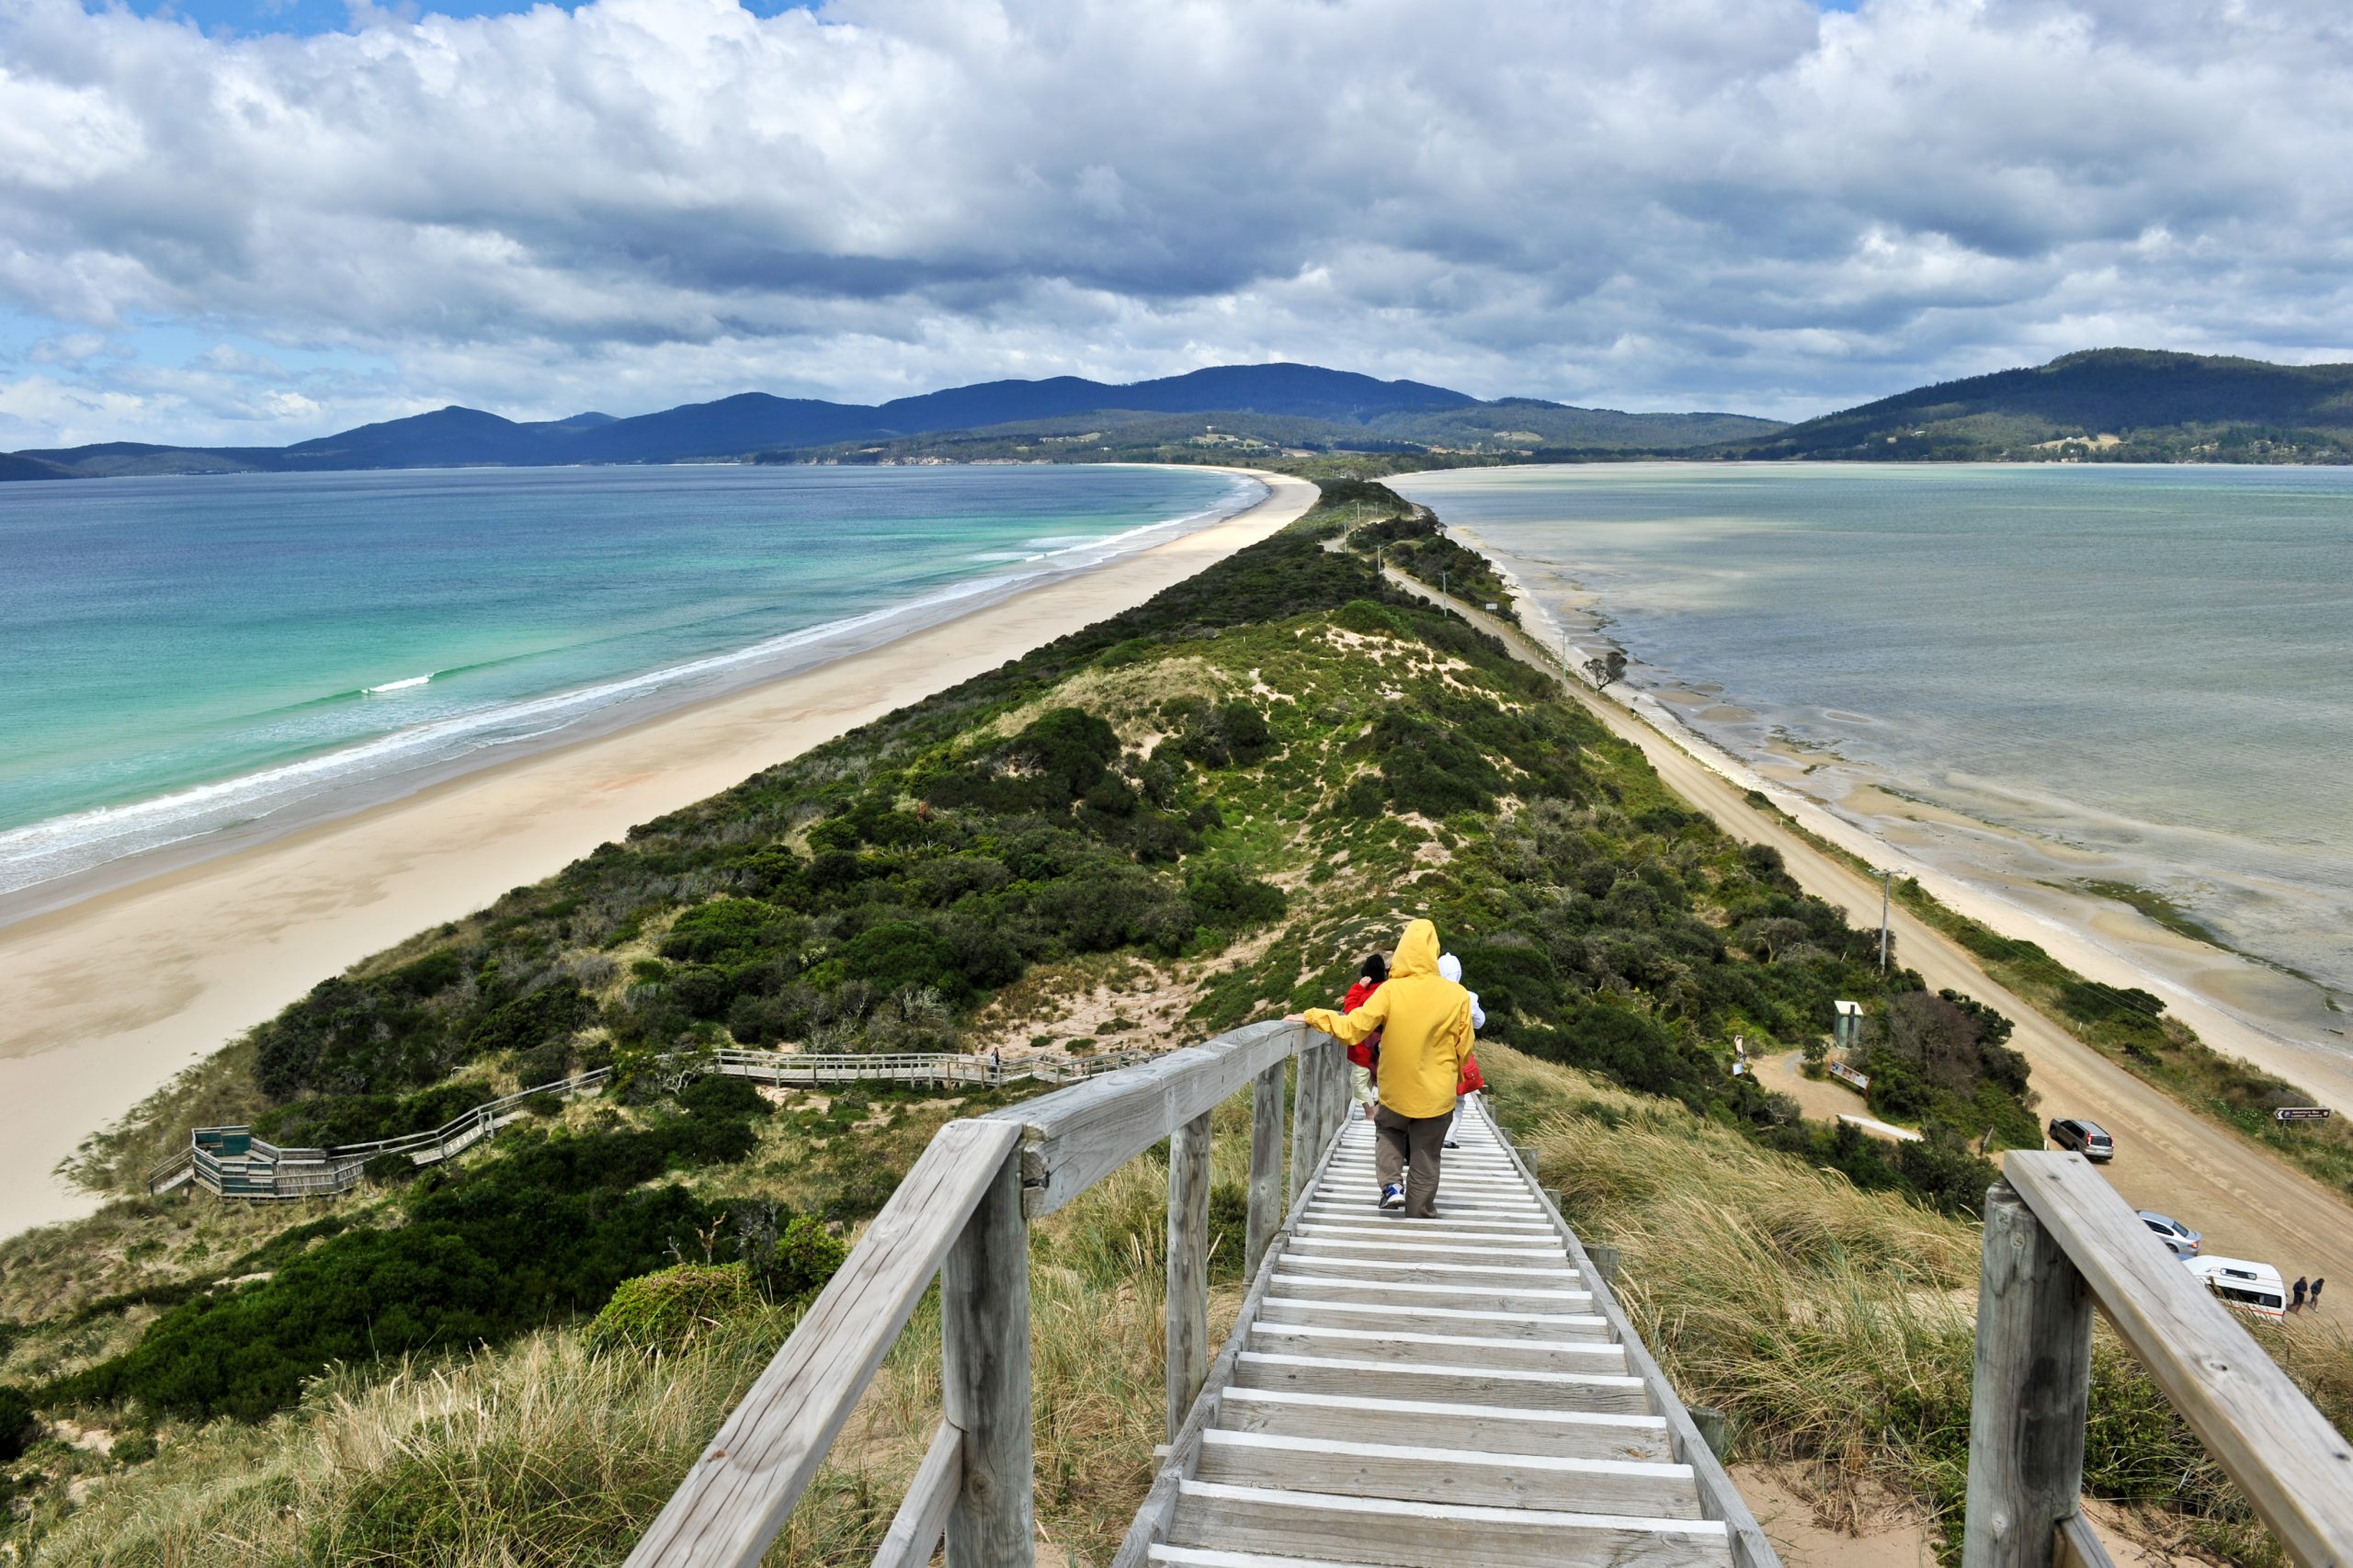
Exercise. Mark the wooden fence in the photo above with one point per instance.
(234, 1163)
(962, 1215)
(2059, 1242)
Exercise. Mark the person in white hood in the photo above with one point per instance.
(1450, 968)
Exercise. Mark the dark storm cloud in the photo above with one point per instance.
(1729, 202)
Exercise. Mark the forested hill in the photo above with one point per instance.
(2111, 405)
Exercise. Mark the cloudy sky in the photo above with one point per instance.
(257, 220)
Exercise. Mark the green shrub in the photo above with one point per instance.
(19, 1427)
(1226, 899)
(389, 1167)
(671, 1308)
(550, 1012)
(134, 1447)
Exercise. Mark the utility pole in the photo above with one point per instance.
(1886, 881)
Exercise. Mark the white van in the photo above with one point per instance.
(2250, 1287)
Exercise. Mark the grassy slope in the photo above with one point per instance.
(1607, 927)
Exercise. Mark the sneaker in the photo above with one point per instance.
(1393, 1196)
(1452, 1144)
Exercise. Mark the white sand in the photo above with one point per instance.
(107, 999)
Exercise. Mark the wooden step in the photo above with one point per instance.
(1548, 1299)
(1329, 1526)
(1573, 1434)
(1409, 1379)
(1427, 1246)
(1385, 1343)
(1451, 1221)
(1200, 1557)
(1419, 1474)
(1555, 1275)
(1304, 1306)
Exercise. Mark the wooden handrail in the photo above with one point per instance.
(1079, 1136)
(963, 1213)
(735, 1498)
(2059, 1242)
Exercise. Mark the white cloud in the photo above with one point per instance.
(1721, 202)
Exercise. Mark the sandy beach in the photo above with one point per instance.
(109, 998)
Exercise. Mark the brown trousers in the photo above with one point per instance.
(1412, 1144)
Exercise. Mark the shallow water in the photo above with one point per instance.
(2140, 675)
(182, 657)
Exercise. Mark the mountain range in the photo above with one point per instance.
(1328, 406)
(2102, 404)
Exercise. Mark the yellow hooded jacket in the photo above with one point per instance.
(1424, 1021)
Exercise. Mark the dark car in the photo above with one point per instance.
(2086, 1138)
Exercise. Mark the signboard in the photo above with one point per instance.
(2302, 1113)
(1861, 1082)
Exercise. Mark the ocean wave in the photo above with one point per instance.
(409, 684)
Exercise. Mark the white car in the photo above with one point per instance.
(2254, 1288)
(2178, 1238)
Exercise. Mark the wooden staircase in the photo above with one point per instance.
(1424, 1391)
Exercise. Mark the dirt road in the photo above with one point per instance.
(2248, 1203)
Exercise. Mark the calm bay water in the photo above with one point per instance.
(178, 656)
(2135, 675)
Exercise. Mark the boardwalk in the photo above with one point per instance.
(1450, 1391)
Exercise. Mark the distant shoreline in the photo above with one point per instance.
(114, 994)
(2120, 946)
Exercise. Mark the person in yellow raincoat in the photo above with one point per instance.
(1424, 1021)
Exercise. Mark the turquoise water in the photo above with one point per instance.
(2136, 675)
(178, 656)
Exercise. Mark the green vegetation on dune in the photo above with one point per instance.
(1201, 812)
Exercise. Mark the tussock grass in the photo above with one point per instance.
(543, 1453)
(1835, 1326)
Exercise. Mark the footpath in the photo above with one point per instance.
(2168, 1158)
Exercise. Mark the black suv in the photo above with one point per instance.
(2086, 1138)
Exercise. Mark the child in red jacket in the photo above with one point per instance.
(1371, 976)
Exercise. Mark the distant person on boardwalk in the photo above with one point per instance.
(1361, 1056)
(2316, 1285)
(2298, 1304)
(1471, 1080)
(996, 1065)
(1423, 1021)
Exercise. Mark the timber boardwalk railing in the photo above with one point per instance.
(2059, 1242)
(231, 1162)
(1396, 1391)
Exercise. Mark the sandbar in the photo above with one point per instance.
(109, 998)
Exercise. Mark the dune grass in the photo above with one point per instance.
(1835, 1326)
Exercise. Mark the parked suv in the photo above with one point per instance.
(2178, 1238)
(2086, 1138)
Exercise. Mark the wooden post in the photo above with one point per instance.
(1605, 1261)
(1335, 1091)
(1189, 1267)
(984, 1379)
(2032, 1389)
(1266, 1167)
(1302, 1122)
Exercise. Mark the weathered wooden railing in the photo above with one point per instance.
(963, 1214)
(2060, 1242)
(232, 1163)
